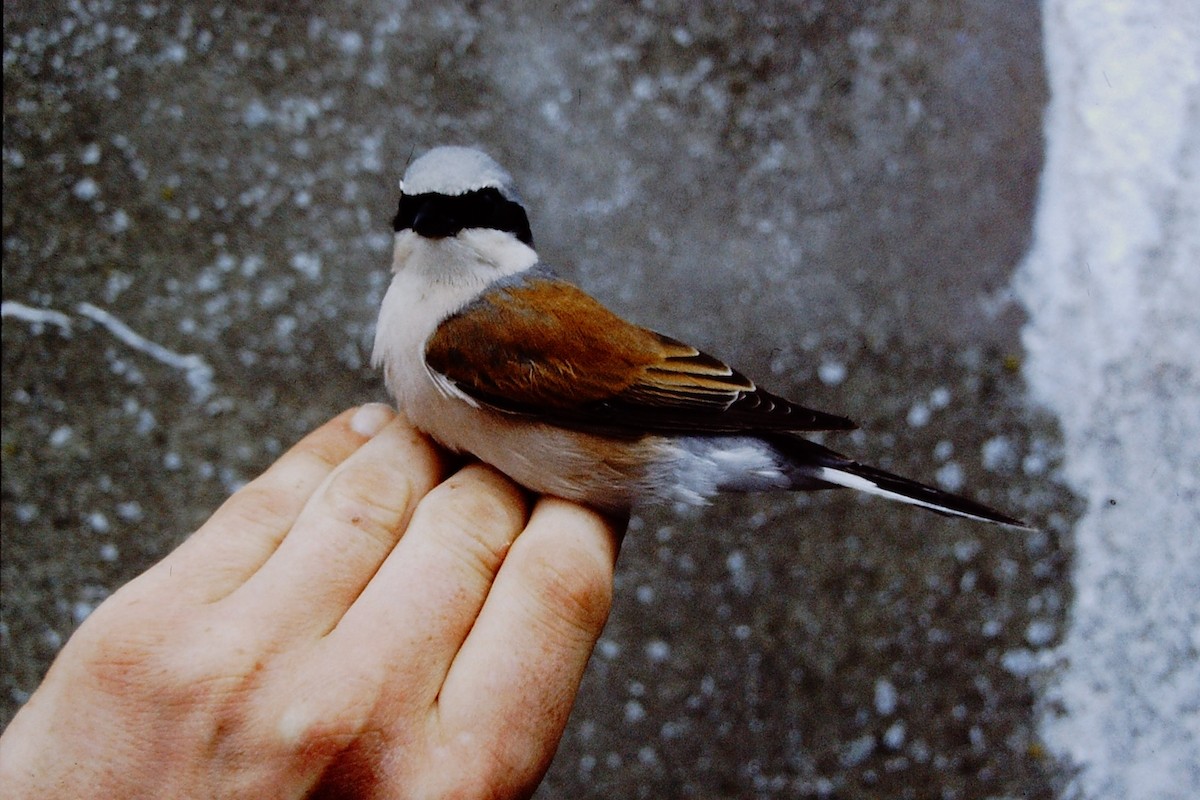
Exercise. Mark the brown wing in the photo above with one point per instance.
(540, 346)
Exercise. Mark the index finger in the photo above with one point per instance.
(248, 527)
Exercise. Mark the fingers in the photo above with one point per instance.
(454, 546)
(388, 655)
(344, 532)
(520, 667)
(354, 613)
(239, 538)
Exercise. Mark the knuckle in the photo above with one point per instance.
(118, 651)
(571, 583)
(321, 455)
(141, 649)
(476, 514)
(320, 730)
(479, 496)
(259, 505)
(504, 769)
(303, 461)
(216, 659)
(274, 493)
(366, 501)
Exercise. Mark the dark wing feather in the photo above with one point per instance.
(542, 347)
(688, 390)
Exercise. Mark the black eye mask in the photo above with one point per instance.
(437, 216)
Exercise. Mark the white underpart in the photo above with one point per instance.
(435, 278)
(696, 468)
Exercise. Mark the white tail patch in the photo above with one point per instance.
(851, 481)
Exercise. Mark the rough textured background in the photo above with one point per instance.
(834, 198)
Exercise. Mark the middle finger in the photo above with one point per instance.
(345, 531)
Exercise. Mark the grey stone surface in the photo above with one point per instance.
(832, 197)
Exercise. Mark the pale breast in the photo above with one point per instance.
(546, 459)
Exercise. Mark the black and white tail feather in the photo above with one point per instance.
(815, 466)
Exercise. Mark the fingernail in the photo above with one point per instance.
(370, 419)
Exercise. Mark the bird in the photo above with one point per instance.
(489, 352)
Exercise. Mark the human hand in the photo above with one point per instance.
(346, 625)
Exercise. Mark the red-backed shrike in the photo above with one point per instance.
(490, 353)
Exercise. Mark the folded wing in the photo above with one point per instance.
(539, 346)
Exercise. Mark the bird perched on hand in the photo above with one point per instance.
(492, 354)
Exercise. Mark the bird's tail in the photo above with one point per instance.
(816, 467)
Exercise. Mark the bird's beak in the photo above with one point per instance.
(428, 215)
(433, 222)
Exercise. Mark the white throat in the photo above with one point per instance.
(432, 279)
(476, 256)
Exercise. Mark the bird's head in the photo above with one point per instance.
(449, 190)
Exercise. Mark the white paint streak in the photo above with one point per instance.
(1112, 286)
(199, 373)
(10, 309)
